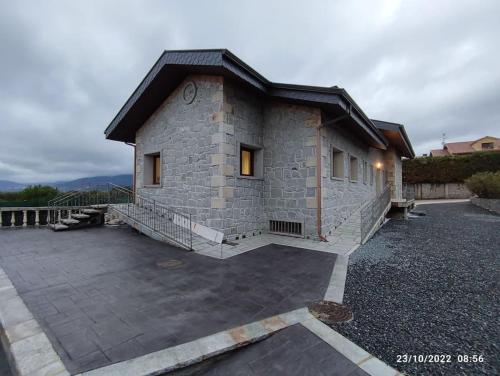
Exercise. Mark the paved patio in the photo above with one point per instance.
(105, 295)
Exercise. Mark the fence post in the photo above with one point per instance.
(13, 219)
(37, 217)
(191, 235)
(154, 215)
(25, 218)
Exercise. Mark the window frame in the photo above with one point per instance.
(491, 146)
(353, 177)
(149, 172)
(244, 148)
(156, 174)
(340, 154)
(365, 172)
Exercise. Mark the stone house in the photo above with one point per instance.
(244, 155)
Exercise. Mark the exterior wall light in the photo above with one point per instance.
(378, 165)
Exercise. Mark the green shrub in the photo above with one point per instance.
(35, 195)
(485, 184)
(449, 169)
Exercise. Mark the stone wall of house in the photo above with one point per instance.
(241, 197)
(341, 196)
(290, 164)
(182, 133)
(394, 170)
(199, 141)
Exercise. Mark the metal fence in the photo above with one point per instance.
(372, 211)
(139, 210)
(155, 216)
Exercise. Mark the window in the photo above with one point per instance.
(156, 169)
(247, 158)
(251, 161)
(337, 163)
(371, 175)
(365, 172)
(487, 145)
(152, 169)
(353, 168)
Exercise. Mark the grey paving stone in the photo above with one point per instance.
(294, 351)
(100, 295)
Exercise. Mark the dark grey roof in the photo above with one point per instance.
(396, 134)
(173, 66)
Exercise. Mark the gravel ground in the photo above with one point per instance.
(426, 286)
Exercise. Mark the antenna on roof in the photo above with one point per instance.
(443, 139)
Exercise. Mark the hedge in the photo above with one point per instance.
(449, 169)
(485, 184)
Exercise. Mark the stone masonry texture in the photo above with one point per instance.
(199, 144)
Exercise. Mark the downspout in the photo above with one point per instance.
(135, 163)
(318, 182)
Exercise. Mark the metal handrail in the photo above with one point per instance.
(372, 211)
(145, 211)
(156, 216)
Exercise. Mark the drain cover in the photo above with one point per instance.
(331, 312)
(170, 264)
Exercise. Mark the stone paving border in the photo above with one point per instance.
(253, 242)
(350, 350)
(28, 349)
(441, 201)
(180, 356)
(335, 289)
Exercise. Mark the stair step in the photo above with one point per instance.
(90, 211)
(59, 227)
(70, 221)
(80, 216)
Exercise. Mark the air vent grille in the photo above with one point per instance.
(286, 228)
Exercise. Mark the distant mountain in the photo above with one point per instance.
(11, 186)
(92, 181)
(123, 180)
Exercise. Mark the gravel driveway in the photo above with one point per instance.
(429, 286)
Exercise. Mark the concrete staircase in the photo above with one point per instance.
(77, 218)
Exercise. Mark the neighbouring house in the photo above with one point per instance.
(487, 143)
(244, 155)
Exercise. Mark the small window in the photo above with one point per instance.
(152, 169)
(371, 175)
(156, 169)
(353, 168)
(247, 159)
(487, 145)
(337, 163)
(365, 172)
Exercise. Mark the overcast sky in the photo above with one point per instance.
(66, 67)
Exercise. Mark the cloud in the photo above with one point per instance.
(68, 67)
